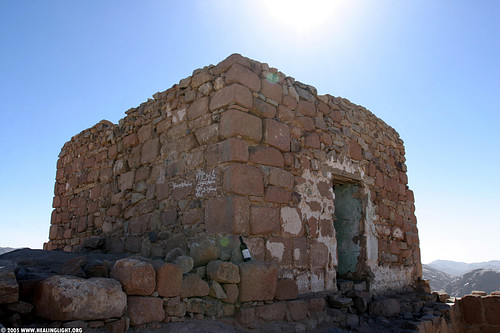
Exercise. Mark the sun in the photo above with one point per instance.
(302, 17)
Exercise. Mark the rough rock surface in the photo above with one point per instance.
(258, 281)
(137, 277)
(70, 298)
(169, 280)
(9, 288)
(143, 310)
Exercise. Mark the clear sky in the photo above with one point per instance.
(430, 69)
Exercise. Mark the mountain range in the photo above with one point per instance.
(6, 249)
(459, 278)
(455, 268)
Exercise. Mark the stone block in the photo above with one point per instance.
(65, 298)
(286, 289)
(492, 309)
(223, 271)
(130, 140)
(318, 255)
(312, 140)
(169, 280)
(258, 281)
(297, 309)
(225, 64)
(264, 220)
(195, 305)
(19, 307)
(175, 307)
(126, 181)
(339, 302)
(150, 151)
(232, 94)
(232, 293)
(9, 288)
(207, 135)
(271, 312)
(306, 108)
(117, 326)
(231, 150)
(194, 286)
(96, 268)
(316, 305)
(227, 215)
(472, 309)
(139, 225)
(355, 150)
(277, 194)
(204, 252)
(272, 90)
(198, 108)
(246, 316)
(144, 133)
(282, 178)
(276, 134)
(266, 156)
(262, 109)
(200, 78)
(228, 310)
(137, 277)
(186, 263)
(243, 179)
(387, 307)
(234, 123)
(216, 290)
(306, 123)
(239, 74)
(144, 310)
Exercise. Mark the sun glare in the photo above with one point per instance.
(302, 17)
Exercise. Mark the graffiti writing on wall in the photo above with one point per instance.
(181, 185)
(205, 183)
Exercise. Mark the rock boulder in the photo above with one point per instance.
(66, 298)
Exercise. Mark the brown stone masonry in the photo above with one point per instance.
(241, 149)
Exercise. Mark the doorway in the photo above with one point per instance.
(348, 215)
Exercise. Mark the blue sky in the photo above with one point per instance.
(430, 69)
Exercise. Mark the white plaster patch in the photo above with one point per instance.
(178, 116)
(397, 233)
(290, 220)
(309, 192)
(331, 280)
(303, 284)
(276, 250)
(346, 165)
(383, 230)
(317, 281)
(296, 254)
(370, 231)
(391, 278)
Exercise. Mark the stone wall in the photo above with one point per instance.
(241, 149)
(480, 312)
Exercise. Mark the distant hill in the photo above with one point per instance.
(483, 276)
(456, 269)
(480, 279)
(437, 278)
(6, 249)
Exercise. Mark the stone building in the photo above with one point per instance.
(312, 182)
